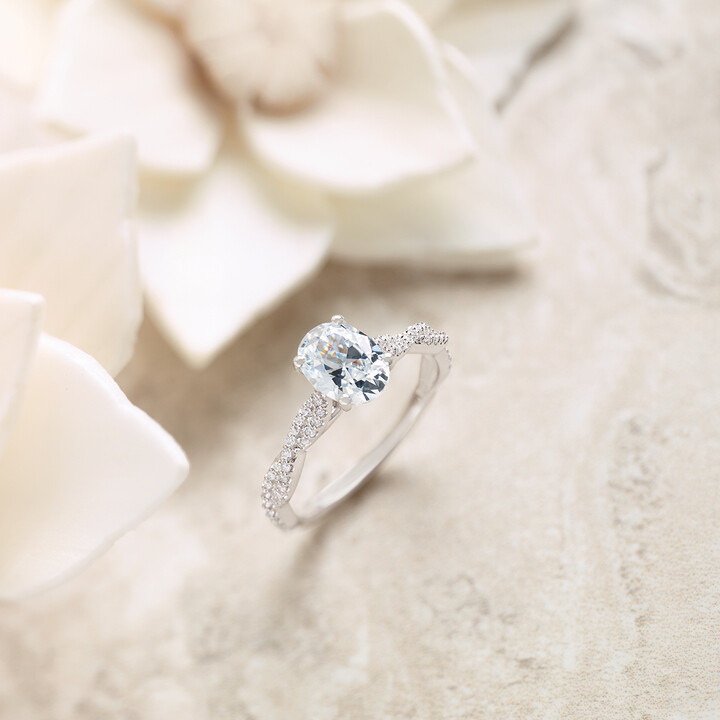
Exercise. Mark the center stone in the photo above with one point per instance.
(343, 363)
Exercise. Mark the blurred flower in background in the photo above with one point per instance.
(79, 464)
(272, 133)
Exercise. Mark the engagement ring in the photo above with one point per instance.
(348, 368)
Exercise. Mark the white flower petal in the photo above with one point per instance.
(18, 127)
(475, 217)
(115, 66)
(25, 31)
(83, 465)
(21, 317)
(461, 221)
(388, 116)
(66, 233)
(431, 10)
(217, 255)
(503, 36)
(171, 9)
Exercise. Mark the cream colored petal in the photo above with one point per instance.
(25, 31)
(475, 217)
(218, 254)
(82, 466)
(66, 232)
(21, 317)
(503, 36)
(169, 9)
(18, 128)
(387, 118)
(115, 66)
(461, 221)
(431, 10)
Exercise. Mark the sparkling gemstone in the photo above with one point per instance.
(343, 363)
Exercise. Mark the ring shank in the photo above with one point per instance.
(434, 367)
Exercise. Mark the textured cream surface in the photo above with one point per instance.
(545, 544)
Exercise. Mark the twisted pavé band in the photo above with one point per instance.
(348, 368)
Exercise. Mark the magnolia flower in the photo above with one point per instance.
(79, 464)
(316, 126)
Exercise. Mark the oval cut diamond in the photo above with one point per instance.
(343, 363)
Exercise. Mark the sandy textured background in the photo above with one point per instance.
(546, 544)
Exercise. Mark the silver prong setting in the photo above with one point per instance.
(297, 362)
(337, 320)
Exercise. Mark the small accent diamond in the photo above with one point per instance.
(417, 334)
(306, 426)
